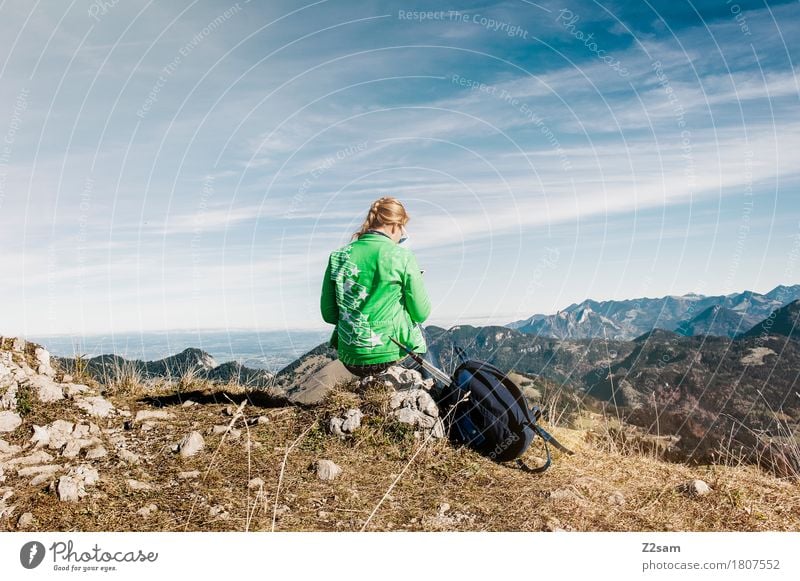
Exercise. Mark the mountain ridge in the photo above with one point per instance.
(628, 318)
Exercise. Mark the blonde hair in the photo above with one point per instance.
(384, 211)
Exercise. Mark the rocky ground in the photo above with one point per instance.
(77, 455)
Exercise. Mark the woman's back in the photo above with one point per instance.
(373, 289)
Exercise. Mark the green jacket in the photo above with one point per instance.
(372, 289)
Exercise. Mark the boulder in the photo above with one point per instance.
(144, 415)
(25, 520)
(43, 365)
(327, 469)
(96, 453)
(416, 407)
(138, 486)
(695, 488)
(400, 378)
(9, 421)
(191, 444)
(37, 457)
(128, 456)
(46, 388)
(349, 423)
(146, 511)
(72, 486)
(95, 406)
(7, 449)
(49, 470)
(71, 390)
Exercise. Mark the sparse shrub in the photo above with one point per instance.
(24, 400)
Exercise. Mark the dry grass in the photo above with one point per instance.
(482, 495)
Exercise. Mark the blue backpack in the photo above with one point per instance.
(485, 410)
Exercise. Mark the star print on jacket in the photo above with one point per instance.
(354, 327)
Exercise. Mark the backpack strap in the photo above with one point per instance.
(547, 439)
(522, 466)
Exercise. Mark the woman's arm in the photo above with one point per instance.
(327, 303)
(418, 304)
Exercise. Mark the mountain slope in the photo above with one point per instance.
(784, 321)
(718, 321)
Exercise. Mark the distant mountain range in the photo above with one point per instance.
(692, 314)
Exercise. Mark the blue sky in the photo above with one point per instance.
(191, 164)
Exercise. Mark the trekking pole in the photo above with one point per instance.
(440, 375)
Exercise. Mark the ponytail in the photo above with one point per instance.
(383, 211)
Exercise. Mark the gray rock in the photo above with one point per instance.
(146, 511)
(37, 457)
(401, 378)
(8, 393)
(71, 390)
(349, 423)
(191, 444)
(46, 388)
(327, 469)
(128, 456)
(9, 421)
(138, 486)
(426, 405)
(7, 449)
(255, 483)
(352, 420)
(70, 489)
(25, 520)
(413, 417)
(95, 405)
(143, 415)
(695, 488)
(59, 433)
(37, 470)
(96, 453)
(263, 420)
(41, 479)
(43, 362)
